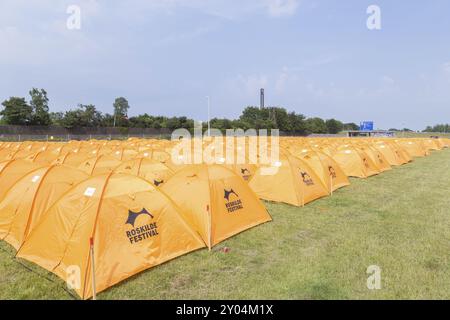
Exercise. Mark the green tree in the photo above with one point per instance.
(221, 124)
(83, 116)
(297, 123)
(72, 119)
(90, 117)
(16, 111)
(142, 121)
(107, 120)
(56, 118)
(251, 114)
(351, 126)
(121, 107)
(173, 123)
(438, 128)
(39, 104)
(334, 126)
(265, 118)
(316, 125)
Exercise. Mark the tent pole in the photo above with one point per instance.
(303, 193)
(209, 228)
(303, 200)
(91, 242)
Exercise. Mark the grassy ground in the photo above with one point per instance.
(401, 134)
(399, 220)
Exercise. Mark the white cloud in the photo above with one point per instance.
(225, 9)
(387, 80)
(279, 8)
(252, 83)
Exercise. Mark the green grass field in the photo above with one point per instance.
(401, 134)
(399, 220)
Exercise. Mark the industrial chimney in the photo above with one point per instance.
(261, 104)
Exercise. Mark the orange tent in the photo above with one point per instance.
(160, 156)
(289, 180)
(133, 227)
(11, 171)
(151, 170)
(216, 201)
(326, 169)
(355, 162)
(377, 158)
(393, 157)
(27, 200)
(414, 148)
(99, 165)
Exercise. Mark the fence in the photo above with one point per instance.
(54, 133)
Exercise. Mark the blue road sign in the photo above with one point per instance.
(366, 126)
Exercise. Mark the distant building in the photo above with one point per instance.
(371, 133)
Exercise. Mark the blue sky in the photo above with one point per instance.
(316, 57)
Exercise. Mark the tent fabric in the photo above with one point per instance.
(12, 171)
(328, 170)
(392, 157)
(99, 164)
(133, 226)
(151, 170)
(413, 148)
(354, 162)
(377, 158)
(292, 181)
(141, 209)
(30, 197)
(216, 201)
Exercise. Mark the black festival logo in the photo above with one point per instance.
(229, 193)
(231, 204)
(332, 172)
(380, 159)
(132, 216)
(365, 162)
(140, 233)
(307, 180)
(245, 173)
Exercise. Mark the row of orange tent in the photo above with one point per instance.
(136, 208)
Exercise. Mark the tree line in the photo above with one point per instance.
(438, 128)
(19, 111)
